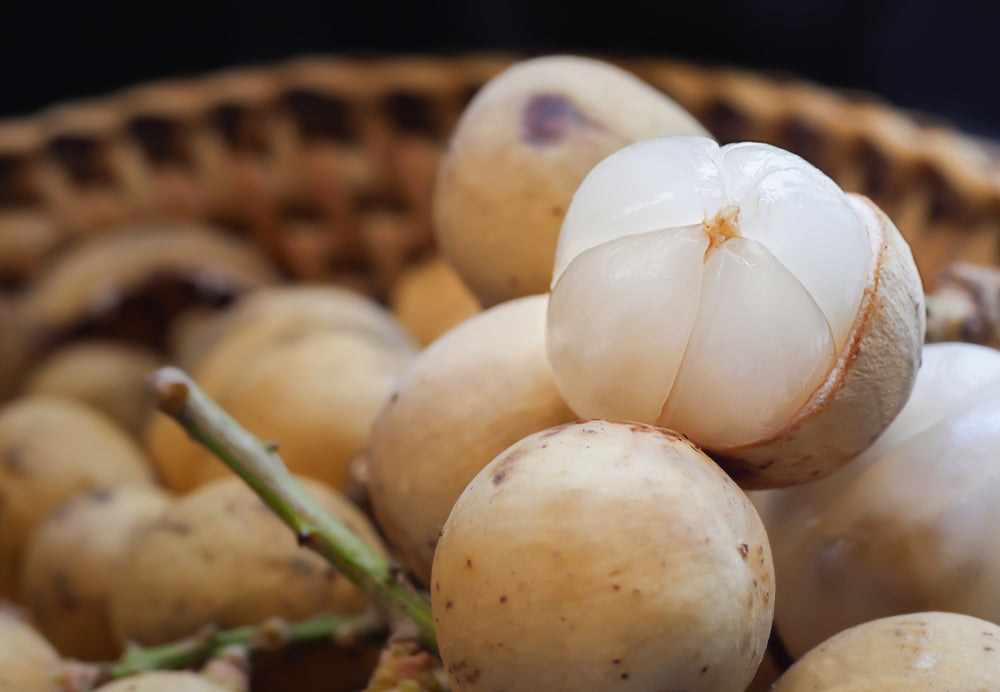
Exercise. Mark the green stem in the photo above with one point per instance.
(262, 469)
(189, 652)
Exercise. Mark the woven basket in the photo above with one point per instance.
(327, 164)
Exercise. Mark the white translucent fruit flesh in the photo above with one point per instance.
(703, 288)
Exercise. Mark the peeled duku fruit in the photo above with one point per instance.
(738, 296)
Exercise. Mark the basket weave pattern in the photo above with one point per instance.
(327, 164)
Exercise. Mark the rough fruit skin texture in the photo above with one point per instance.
(71, 563)
(305, 367)
(868, 386)
(52, 449)
(232, 562)
(600, 554)
(521, 149)
(922, 652)
(467, 397)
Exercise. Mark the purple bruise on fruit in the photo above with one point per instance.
(547, 118)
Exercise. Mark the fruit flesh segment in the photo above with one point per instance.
(632, 353)
(760, 345)
(670, 182)
(810, 229)
(764, 344)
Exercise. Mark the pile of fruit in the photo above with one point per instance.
(659, 417)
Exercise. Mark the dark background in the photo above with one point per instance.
(936, 57)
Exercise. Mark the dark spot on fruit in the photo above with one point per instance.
(616, 587)
(64, 593)
(987, 648)
(505, 464)
(556, 429)
(394, 397)
(616, 661)
(448, 605)
(556, 553)
(473, 676)
(513, 282)
(636, 592)
(988, 634)
(468, 563)
(503, 599)
(437, 586)
(178, 527)
(101, 495)
(557, 210)
(300, 564)
(624, 676)
(898, 633)
(547, 118)
(744, 550)
(13, 460)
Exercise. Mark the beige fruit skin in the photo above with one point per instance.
(219, 556)
(922, 652)
(27, 661)
(220, 343)
(467, 397)
(598, 555)
(163, 681)
(519, 152)
(869, 385)
(308, 368)
(106, 375)
(430, 298)
(51, 450)
(71, 563)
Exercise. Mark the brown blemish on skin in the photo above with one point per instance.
(299, 564)
(503, 599)
(505, 464)
(704, 669)
(101, 495)
(468, 563)
(64, 591)
(547, 119)
(448, 605)
(744, 550)
(178, 527)
(13, 460)
(555, 430)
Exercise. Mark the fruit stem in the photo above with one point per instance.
(211, 643)
(261, 468)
